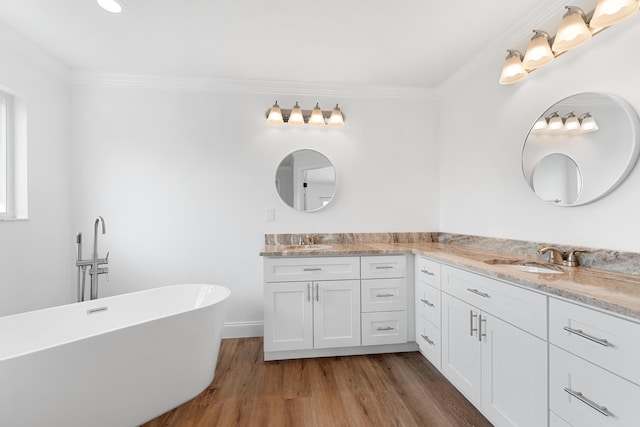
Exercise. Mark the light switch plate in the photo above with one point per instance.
(270, 214)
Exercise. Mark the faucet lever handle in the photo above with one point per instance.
(572, 260)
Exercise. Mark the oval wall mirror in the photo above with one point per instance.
(581, 148)
(306, 180)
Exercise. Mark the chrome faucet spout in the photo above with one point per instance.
(99, 220)
(555, 257)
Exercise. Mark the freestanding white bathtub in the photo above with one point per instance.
(112, 362)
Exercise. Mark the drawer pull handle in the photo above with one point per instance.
(427, 302)
(581, 397)
(427, 272)
(384, 295)
(313, 269)
(426, 338)
(386, 328)
(477, 292)
(579, 333)
(384, 267)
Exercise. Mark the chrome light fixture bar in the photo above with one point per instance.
(574, 30)
(298, 116)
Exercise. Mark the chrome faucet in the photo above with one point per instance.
(555, 257)
(94, 263)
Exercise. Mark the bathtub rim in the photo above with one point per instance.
(226, 293)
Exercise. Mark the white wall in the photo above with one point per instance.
(482, 130)
(36, 255)
(183, 178)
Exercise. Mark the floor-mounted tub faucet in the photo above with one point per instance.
(94, 263)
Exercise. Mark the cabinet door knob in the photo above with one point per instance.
(471, 328)
(386, 328)
(384, 295)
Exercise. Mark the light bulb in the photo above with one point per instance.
(113, 6)
(572, 31)
(275, 115)
(296, 117)
(538, 52)
(316, 119)
(512, 70)
(336, 118)
(609, 12)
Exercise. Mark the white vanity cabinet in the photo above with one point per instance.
(487, 353)
(594, 367)
(318, 308)
(384, 299)
(428, 308)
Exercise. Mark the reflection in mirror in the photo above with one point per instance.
(557, 179)
(306, 180)
(595, 137)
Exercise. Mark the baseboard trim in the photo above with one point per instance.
(243, 329)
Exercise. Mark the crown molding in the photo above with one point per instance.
(26, 49)
(546, 15)
(142, 81)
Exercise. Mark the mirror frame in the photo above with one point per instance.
(628, 146)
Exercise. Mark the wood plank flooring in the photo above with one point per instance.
(378, 390)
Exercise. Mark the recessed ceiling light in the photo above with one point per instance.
(113, 6)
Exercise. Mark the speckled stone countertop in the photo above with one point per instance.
(609, 290)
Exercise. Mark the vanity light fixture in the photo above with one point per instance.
(113, 6)
(587, 123)
(539, 51)
(512, 71)
(316, 119)
(574, 31)
(298, 116)
(336, 119)
(275, 115)
(554, 123)
(609, 12)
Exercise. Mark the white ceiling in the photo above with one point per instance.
(415, 43)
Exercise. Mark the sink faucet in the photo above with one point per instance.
(94, 263)
(556, 256)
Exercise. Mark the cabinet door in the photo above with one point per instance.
(288, 316)
(336, 314)
(461, 348)
(514, 375)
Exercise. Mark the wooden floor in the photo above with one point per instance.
(380, 390)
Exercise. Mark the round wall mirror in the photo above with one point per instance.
(581, 148)
(306, 180)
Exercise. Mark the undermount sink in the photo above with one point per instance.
(527, 266)
(308, 247)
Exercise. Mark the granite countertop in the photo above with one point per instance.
(608, 290)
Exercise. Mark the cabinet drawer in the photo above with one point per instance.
(605, 340)
(428, 303)
(428, 339)
(585, 395)
(389, 327)
(427, 271)
(378, 267)
(384, 294)
(280, 269)
(520, 307)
